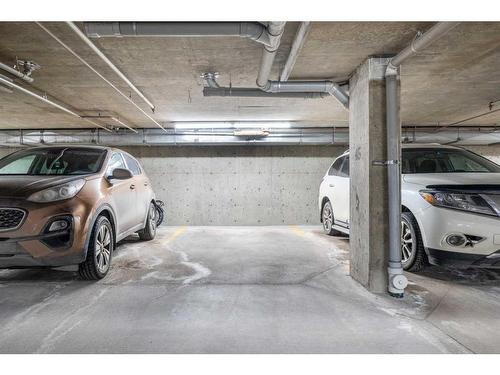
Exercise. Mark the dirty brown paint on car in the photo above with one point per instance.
(125, 201)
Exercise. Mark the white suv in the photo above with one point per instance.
(450, 201)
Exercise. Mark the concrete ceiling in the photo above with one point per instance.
(453, 79)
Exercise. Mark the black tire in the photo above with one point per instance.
(99, 252)
(417, 259)
(149, 231)
(328, 220)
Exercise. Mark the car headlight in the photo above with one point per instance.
(459, 201)
(58, 193)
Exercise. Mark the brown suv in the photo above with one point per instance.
(69, 205)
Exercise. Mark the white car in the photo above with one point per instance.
(450, 206)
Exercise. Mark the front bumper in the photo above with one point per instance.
(436, 223)
(463, 260)
(31, 245)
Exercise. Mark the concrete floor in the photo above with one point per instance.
(244, 290)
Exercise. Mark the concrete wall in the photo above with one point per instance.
(241, 185)
(238, 185)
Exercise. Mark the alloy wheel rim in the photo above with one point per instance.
(152, 218)
(327, 217)
(103, 248)
(406, 242)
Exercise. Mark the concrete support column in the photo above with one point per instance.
(368, 196)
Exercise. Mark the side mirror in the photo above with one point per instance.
(121, 174)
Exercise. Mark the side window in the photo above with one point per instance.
(345, 168)
(19, 166)
(335, 168)
(116, 161)
(133, 165)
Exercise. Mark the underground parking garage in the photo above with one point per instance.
(249, 187)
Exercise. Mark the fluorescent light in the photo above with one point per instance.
(233, 125)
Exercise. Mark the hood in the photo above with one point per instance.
(477, 179)
(23, 186)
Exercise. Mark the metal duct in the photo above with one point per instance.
(296, 135)
(15, 72)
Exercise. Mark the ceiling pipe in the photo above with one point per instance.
(243, 92)
(397, 281)
(269, 36)
(275, 31)
(16, 72)
(298, 43)
(12, 85)
(65, 46)
(251, 30)
(104, 58)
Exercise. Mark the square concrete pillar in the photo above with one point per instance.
(368, 194)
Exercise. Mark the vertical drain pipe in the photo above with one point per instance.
(275, 31)
(397, 281)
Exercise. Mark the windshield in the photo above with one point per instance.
(441, 160)
(53, 161)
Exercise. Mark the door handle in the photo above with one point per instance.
(132, 187)
(146, 184)
(331, 185)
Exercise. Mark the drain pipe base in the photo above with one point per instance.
(397, 282)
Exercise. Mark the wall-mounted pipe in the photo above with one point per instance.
(12, 85)
(397, 281)
(15, 72)
(104, 58)
(298, 43)
(83, 61)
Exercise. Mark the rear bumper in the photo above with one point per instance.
(463, 260)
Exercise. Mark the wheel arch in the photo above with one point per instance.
(323, 202)
(104, 210)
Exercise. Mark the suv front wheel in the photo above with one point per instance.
(413, 254)
(99, 252)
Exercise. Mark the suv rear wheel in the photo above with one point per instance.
(412, 248)
(149, 231)
(328, 220)
(99, 252)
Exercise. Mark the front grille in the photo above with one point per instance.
(10, 218)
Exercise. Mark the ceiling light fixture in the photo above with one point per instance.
(233, 125)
